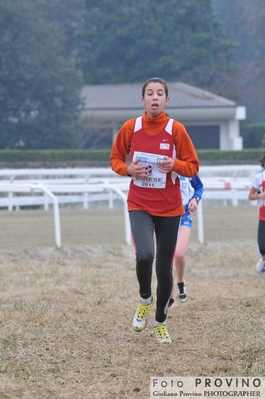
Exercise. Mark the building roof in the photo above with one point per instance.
(110, 105)
(121, 96)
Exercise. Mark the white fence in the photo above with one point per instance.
(28, 187)
(51, 189)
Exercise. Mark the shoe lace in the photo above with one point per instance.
(142, 310)
(161, 331)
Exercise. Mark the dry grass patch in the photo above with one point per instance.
(66, 322)
(66, 314)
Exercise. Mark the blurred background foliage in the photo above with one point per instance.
(49, 49)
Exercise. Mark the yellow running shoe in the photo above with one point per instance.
(161, 333)
(140, 317)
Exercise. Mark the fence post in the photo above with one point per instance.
(56, 212)
(128, 238)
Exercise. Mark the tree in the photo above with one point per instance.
(244, 20)
(39, 85)
(125, 41)
(67, 15)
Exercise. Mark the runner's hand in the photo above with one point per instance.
(139, 171)
(192, 207)
(166, 165)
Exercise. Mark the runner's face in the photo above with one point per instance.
(154, 99)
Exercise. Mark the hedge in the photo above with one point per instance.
(9, 157)
(53, 155)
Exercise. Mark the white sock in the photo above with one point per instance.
(147, 301)
(159, 322)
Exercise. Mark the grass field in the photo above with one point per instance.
(66, 313)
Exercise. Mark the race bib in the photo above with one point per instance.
(157, 179)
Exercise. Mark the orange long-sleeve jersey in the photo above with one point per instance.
(186, 163)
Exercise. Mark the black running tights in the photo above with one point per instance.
(261, 237)
(143, 227)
